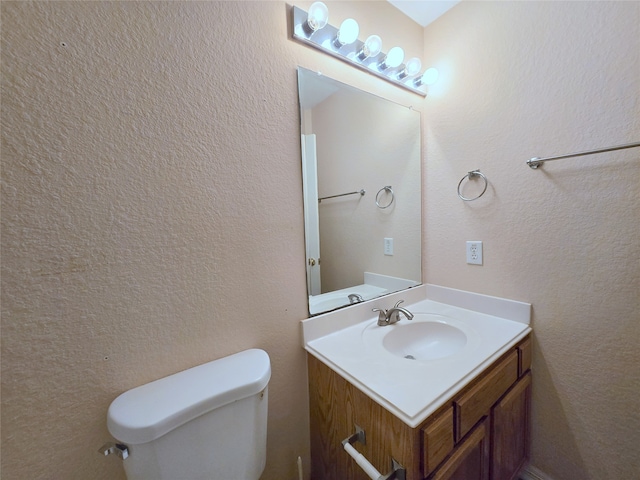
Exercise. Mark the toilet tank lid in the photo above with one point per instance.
(145, 413)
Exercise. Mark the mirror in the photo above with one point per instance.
(362, 193)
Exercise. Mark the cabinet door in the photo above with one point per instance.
(470, 459)
(510, 431)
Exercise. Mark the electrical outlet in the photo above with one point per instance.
(388, 246)
(474, 252)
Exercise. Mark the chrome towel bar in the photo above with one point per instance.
(398, 472)
(361, 192)
(536, 162)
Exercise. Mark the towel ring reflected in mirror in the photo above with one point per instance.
(387, 189)
(473, 174)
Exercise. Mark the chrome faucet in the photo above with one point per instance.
(391, 316)
(355, 298)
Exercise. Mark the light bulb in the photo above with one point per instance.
(348, 33)
(371, 48)
(317, 17)
(429, 77)
(393, 59)
(411, 68)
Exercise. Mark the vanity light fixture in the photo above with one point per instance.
(313, 29)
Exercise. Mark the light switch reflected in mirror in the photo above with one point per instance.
(354, 146)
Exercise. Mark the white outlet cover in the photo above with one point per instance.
(474, 252)
(388, 246)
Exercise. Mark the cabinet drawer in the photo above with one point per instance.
(437, 441)
(472, 405)
(524, 356)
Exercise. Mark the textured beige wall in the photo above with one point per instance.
(142, 233)
(524, 79)
(152, 212)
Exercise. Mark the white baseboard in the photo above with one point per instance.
(532, 473)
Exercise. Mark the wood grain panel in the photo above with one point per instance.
(470, 460)
(524, 356)
(323, 401)
(437, 440)
(476, 402)
(510, 431)
(386, 435)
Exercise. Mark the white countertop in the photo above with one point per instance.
(349, 341)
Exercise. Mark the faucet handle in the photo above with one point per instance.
(382, 315)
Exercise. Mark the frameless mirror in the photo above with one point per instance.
(362, 193)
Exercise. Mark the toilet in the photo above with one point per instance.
(207, 422)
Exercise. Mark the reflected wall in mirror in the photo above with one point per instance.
(359, 246)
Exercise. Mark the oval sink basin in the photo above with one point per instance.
(424, 341)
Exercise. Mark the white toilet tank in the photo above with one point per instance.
(208, 422)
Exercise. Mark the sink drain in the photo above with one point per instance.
(410, 357)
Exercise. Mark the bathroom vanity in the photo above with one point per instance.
(445, 410)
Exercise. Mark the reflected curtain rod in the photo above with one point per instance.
(536, 162)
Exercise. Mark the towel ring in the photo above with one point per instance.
(470, 175)
(385, 189)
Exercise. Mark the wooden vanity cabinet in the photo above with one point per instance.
(481, 433)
